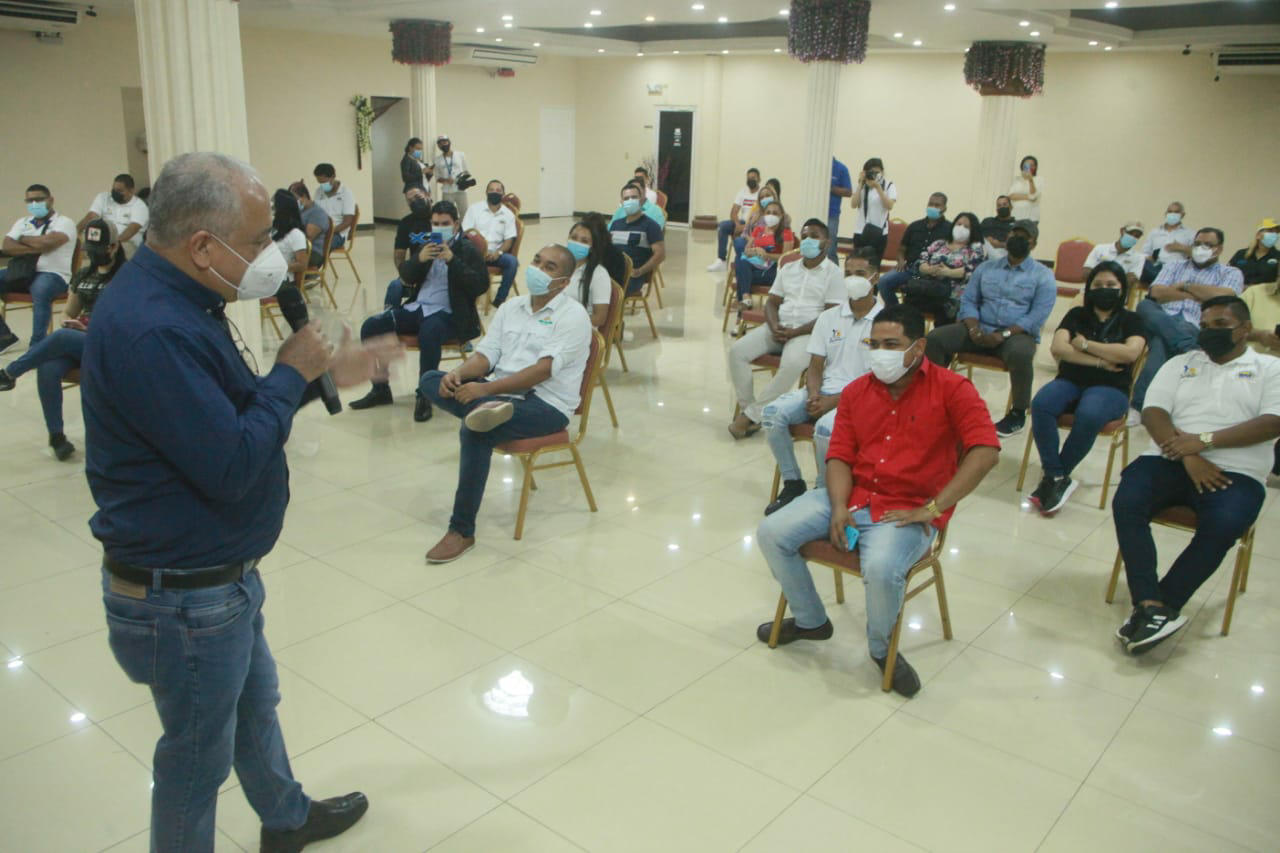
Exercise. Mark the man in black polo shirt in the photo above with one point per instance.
(995, 229)
(933, 226)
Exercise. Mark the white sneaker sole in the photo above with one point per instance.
(489, 418)
(1170, 628)
(1048, 510)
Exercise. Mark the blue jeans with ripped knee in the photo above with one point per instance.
(786, 412)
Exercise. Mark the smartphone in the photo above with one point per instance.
(435, 237)
(851, 536)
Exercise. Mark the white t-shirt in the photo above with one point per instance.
(837, 337)
(1027, 209)
(651, 196)
(1201, 396)
(496, 228)
(745, 200)
(123, 215)
(339, 203)
(807, 292)
(58, 261)
(292, 243)
(601, 287)
(1161, 237)
(1132, 260)
(450, 167)
(877, 214)
(518, 338)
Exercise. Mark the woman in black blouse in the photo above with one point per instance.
(1260, 263)
(415, 171)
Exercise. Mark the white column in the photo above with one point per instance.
(422, 105)
(823, 94)
(193, 95)
(995, 162)
(706, 194)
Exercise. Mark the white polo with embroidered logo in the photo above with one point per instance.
(837, 337)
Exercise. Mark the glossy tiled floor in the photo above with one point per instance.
(598, 685)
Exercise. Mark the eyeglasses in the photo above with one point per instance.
(246, 354)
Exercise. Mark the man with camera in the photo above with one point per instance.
(453, 174)
(497, 225)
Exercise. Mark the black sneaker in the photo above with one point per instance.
(789, 633)
(1056, 495)
(1011, 424)
(1125, 632)
(62, 448)
(905, 680)
(7, 340)
(1037, 497)
(6, 381)
(791, 490)
(422, 409)
(1155, 625)
(379, 395)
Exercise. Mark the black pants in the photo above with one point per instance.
(1016, 351)
(432, 332)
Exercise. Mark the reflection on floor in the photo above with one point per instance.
(598, 685)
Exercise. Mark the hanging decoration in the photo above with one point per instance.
(1005, 68)
(364, 124)
(416, 42)
(829, 30)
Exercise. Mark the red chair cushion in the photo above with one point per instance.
(977, 359)
(822, 551)
(802, 430)
(768, 360)
(753, 316)
(1183, 515)
(20, 298)
(528, 445)
(72, 375)
(1068, 292)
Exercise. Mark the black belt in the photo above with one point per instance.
(180, 578)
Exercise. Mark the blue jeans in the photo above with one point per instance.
(1093, 406)
(723, 233)
(788, 411)
(508, 264)
(747, 275)
(890, 283)
(432, 331)
(886, 552)
(532, 418)
(51, 358)
(203, 654)
(1167, 336)
(1153, 483)
(44, 287)
(833, 228)
(339, 240)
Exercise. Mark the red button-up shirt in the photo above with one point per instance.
(902, 452)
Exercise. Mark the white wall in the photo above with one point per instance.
(389, 133)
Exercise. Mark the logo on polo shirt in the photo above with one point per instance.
(1188, 371)
(1245, 373)
(836, 336)
(546, 321)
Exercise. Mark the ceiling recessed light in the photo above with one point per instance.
(537, 44)
(950, 7)
(724, 51)
(777, 50)
(786, 13)
(722, 19)
(1093, 44)
(599, 50)
(1024, 23)
(508, 26)
(697, 7)
(588, 25)
(596, 12)
(1112, 4)
(674, 51)
(649, 19)
(508, 17)
(1035, 32)
(897, 35)
(499, 38)
(1222, 731)
(1258, 689)
(479, 29)
(1108, 47)
(639, 53)
(917, 43)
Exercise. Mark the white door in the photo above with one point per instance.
(557, 162)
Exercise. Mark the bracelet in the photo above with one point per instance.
(932, 506)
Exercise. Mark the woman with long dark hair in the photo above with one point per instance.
(1025, 190)
(944, 270)
(767, 242)
(874, 196)
(591, 284)
(288, 233)
(415, 168)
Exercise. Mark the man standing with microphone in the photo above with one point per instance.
(185, 459)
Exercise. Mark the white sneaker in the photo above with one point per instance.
(718, 266)
(1134, 419)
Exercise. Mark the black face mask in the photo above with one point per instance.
(494, 199)
(1004, 212)
(1216, 342)
(419, 205)
(117, 196)
(1018, 246)
(1103, 298)
(444, 148)
(751, 185)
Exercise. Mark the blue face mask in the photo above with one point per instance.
(326, 187)
(1269, 239)
(538, 282)
(1128, 241)
(446, 234)
(1172, 219)
(810, 247)
(933, 212)
(38, 209)
(578, 250)
(417, 153)
(631, 206)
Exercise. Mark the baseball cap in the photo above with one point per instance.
(1033, 230)
(99, 232)
(1267, 224)
(1133, 225)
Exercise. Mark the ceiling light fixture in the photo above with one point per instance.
(588, 25)
(1024, 23)
(777, 50)
(499, 38)
(950, 7)
(508, 26)
(1093, 44)
(722, 19)
(724, 51)
(1108, 47)
(917, 43)
(673, 52)
(649, 19)
(640, 53)
(697, 7)
(1112, 4)
(897, 35)
(596, 13)
(599, 50)
(786, 13)
(479, 29)
(537, 44)
(508, 17)
(1035, 32)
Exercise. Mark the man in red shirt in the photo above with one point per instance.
(910, 440)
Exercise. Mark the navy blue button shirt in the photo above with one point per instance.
(184, 444)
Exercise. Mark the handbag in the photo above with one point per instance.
(929, 295)
(22, 268)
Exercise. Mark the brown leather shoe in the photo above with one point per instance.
(451, 547)
(742, 427)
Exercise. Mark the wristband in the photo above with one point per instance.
(932, 506)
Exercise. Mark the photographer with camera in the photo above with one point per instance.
(496, 223)
(453, 174)
(873, 198)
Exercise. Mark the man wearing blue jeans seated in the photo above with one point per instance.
(52, 238)
(1171, 311)
(639, 237)
(523, 381)
(837, 356)
(1213, 415)
(917, 237)
(909, 442)
(732, 227)
(497, 224)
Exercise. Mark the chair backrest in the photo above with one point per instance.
(789, 257)
(515, 247)
(1068, 265)
(512, 201)
(328, 242)
(589, 383)
(662, 199)
(1136, 367)
(613, 319)
(631, 270)
(351, 233)
(897, 227)
(477, 240)
(77, 256)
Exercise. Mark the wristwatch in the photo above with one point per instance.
(1206, 438)
(1006, 334)
(1084, 347)
(932, 506)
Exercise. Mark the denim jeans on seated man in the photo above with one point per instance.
(173, 640)
(508, 264)
(51, 358)
(724, 232)
(1093, 407)
(532, 418)
(432, 331)
(833, 228)
(891, 283)
(885, 551)
(44, 287)
(788, 411)
(1167, 336)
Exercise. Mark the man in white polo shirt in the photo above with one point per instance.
(522, 382)
(1123, 251)
(52, 237)
(497, 224)
(449, 164)
(1168, 243)
(1213, 415)
(743, 202)
(800, 292)
(124, 210)
(837, 356)
(336, 199)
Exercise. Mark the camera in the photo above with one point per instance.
(464, 181)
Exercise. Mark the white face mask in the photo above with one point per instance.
(263, 275)
(1202, 254)
(887, 365)
(996, 252)
(771, 221)
(858, 287)
(960, 234)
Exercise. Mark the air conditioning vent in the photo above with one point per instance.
(503, 58)
(34, 15)
(1248, 59)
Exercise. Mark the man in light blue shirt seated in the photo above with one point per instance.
(1006, 303)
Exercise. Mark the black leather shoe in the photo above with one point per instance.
(790, 633)
(905, 681)
(791, 490)
(379, 395)
(7, 339)
(6, 381)
(422, 409)
(326, 819)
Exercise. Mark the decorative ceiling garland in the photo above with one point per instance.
(829, 30)
(418, 42)
(1005, 67)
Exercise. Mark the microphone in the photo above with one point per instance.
(294, 311)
